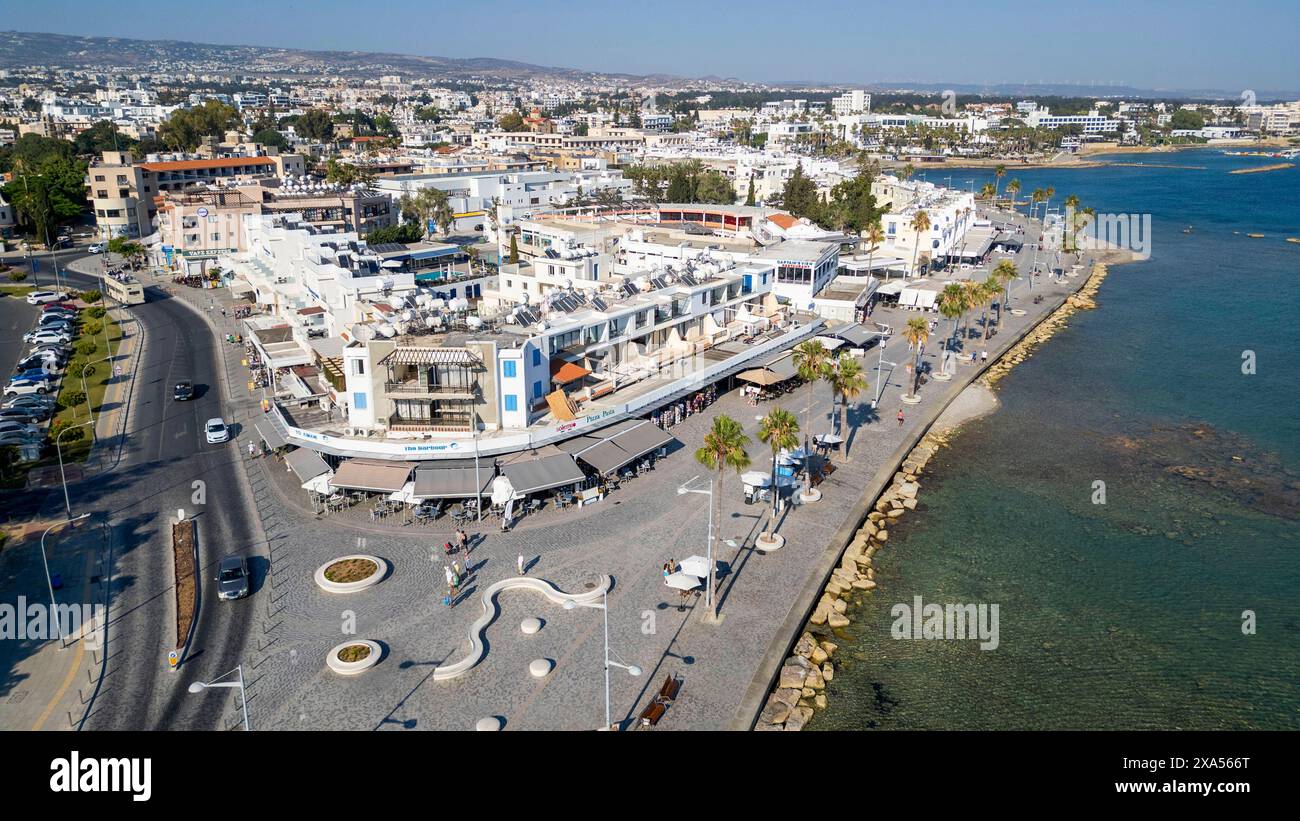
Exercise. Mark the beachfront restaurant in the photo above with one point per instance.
(614, 448)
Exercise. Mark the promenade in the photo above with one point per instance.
(726, 667)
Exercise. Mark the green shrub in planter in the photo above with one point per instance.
(92, 328)
(91, 296)
(57, 434)
(96, 312)
(70, 399)
(85, 347)
(17, 276)
(75, 366)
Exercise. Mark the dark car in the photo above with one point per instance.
(183, 391)
(232, 578)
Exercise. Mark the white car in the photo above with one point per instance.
(42, 297)
(41, 336)
(96, 248)
(216, 431)
(22, 387)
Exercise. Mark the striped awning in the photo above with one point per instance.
(454, 479)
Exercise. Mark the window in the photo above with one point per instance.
(537, 358)
(358, 367)
(102, 193)
(537, 389)
(508, 369)
(359, 400)
(512, 402)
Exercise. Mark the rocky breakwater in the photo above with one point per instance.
(801, 684)
(1080, 300)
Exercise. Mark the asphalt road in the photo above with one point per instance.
(165, 456)
(16, 318)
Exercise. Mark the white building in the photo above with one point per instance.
(855, 101)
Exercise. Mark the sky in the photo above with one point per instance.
(1156, 44)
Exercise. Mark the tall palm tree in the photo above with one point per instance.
(1048, 193)
(847, 381)
(1072, 208)
(921, 225)
(1013, 188)
(916, 333)
(724, 447)
(780, 431)
(999, 172)
(812, 361)
(1036, 197)
(988, 191)
(874, 236)
(985, 293)
(1003, 273)
(952, 304)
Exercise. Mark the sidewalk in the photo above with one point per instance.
(49, 682)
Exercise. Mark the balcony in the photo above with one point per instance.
(441, 423)
(414, 388)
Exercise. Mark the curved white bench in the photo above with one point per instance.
(554, 594)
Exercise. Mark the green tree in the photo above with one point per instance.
(49, 195)
(514, 251)
(269, 136)
(103, 136)
(853, 203)
(186, 127)
(779, 430)
(405, 232)
(799, 196)
(724, 447)
(952, 304)
(921, 225)
(315, 125)
(511, 121)
(749, 198)
(713, 187)
(847, 382)
(812, 360)
(916, 333)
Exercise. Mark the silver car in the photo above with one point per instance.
(232, 578)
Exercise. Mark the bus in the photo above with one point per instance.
(124, 289)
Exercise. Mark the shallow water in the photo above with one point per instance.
(1126, 614)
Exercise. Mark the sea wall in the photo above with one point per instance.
(800, 682)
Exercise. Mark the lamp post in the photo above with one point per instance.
(200, 686)
(90, 411)
(67, 503)
(58, 628)
(682, 490)
(632, 669)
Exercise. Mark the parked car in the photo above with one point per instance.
(96, 248)
(29, 401)
(61, 352)
(34, 337)
(232, 578)
(49, 362)
(20, 387)
(184, 391)
(33, 374)
(25, 415)
(43, 297)
(20, 428)
(216, 431)
(58, 324)
(18, 439)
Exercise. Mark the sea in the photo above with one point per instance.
(1171, 598)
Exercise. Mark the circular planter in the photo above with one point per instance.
(530, 625)
(812, 494)
(356, 581)
(362, 654)
(539, 668)
(767, 546)
(488, 724)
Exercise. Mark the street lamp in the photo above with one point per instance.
(67, 503)
(632, 669)
(58, 628)
(200, 686)
(90, 411)
(682, 490)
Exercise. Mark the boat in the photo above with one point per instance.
(1187, 230)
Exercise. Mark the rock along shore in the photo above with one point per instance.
(801, 684)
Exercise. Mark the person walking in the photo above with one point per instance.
(900, 417)
(252, 451)
(455, 569)
(463, 540)
(520, 564)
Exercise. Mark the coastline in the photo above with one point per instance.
(804, 663)
(1081, 159)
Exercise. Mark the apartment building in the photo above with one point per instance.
(855, 101)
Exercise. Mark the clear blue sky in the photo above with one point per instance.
(1162, 44)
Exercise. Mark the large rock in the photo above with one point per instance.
(896, 512)
(805, 646)
(815, 679)
(909, 504)
(787, 695)
(840, 606)
(837, 620)
(774, 712)
(798, 718)
(818, 655)
(882, 536)
(792, 677)
(828, 671)
(869, 528)
(908, 490)
(820, 612)
(829, 646)
(819, 701)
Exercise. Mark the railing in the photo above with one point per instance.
(414, 387)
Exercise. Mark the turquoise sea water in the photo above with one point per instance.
(1127, 614)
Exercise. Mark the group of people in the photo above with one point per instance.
(459, 544)
(678, 411)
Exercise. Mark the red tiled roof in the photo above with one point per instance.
(315, 309)
(564, 372)
(783, 220)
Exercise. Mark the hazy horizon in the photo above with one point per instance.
(1160, 46)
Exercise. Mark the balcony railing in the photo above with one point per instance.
(437, 424)
(416, 388)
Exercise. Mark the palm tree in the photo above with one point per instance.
(916, 333)
(1013, 188)
(907, 171)
(952, 304)
(920, 224)
(812, 360)
(1004, 272)
(988, 191)
(985, 293)
(1048, 193)
(874, 236)
(780, 431)
(999, 172)
(847, 382)
(1071, 207)
(1036, 197)
(724, 447)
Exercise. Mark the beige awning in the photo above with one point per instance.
(372, 475)
(758, 376)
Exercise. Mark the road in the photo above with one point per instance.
(167, 465)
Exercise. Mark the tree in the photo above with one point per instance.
(269, 136)
(999, 172)
(1186, 119)
(511, 121)
(952, 304)
(854, 204)
(987, 191)
(406, 232)
(713, 187)
(812, 360)
(799, 196)
(1013, 188)
(779, 430)
(874, 235)
(514, 251)
(749, 198)
(1071, 207)
(724, 447)
(916, 333)
(847, 381)
(103, 136)
(1003, 273)
(921, 225)
(49, 195)
(315, 125)
(186, 127)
